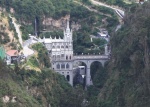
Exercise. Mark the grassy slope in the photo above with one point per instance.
(32, 89)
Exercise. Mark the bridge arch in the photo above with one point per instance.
(95, 65)
(78, 78)
(88, 63)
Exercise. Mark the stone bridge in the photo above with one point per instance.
(88, 60)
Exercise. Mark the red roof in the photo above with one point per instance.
(12, 53)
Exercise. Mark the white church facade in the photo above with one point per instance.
(62, 59)
(61, 53)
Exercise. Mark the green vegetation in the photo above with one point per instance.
(33, 61)
(120, 3)
(53, 34)
(37, 89)
(127, 85)
(26, 11)
(4, 38)
(42, 56)
(123, 82)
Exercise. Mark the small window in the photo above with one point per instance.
(63, 66)
(58, 66)
(58, 56)
(62, 47)
(53, 56)
(62, 55)
(70, 57)
(66, 46)
(66, 57)
(67, 66)
(58, 46)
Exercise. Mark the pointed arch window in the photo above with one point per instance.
(66, 57)
(66, 46)
(63, 66)
(58, 57)
(67, 66)
(58, 66)
(70, 57)
(58, 46)
(62, 47)
(54, 57)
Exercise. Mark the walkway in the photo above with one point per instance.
(17, 27)
(92, 10)
(26, 50)
(117, 9)
(91, 57)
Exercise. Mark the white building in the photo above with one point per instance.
(61, 53)
(12, 56)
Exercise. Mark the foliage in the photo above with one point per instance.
(99, 42)
(26, 30)
(120, 3)
(127, 84)
(53, 34)
(43, 56)
(98, 74)
(38, 89)
(33, 61)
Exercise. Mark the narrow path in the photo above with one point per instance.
(118, 10)
(17, 27)
(108, 6)
(26, 50)
(26, 47)
(92, 10)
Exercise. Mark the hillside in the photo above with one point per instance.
(124, 81)
(128, 81)
(26, 88)
(8, 35)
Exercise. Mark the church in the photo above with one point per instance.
(61, 53)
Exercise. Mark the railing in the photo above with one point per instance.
(120, 15)
(90, 57)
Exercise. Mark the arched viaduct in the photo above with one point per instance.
(88, 60)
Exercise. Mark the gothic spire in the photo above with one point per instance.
(67, 29)
(50, 37)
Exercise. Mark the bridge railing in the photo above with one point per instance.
(91, 57)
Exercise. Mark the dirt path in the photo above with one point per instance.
(17, 27)
(26, 50)
(108, 6)
(92, 10)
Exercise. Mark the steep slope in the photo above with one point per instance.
(28, 88)
(128, 84)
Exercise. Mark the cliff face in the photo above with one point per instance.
(128, 84)
(50, 22)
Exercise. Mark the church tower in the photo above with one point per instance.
(61, 53)
(68, 33)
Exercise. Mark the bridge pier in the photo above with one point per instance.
(88, 77)
(71, 78)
